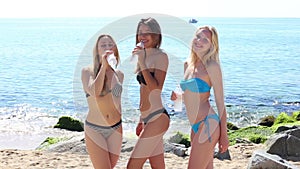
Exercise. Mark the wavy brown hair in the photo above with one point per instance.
(155, 29)
(155, 33)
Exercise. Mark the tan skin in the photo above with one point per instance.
(104, 153)
(151, 134)
(199, 102)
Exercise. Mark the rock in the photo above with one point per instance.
(267, 121)
(177, 149)
(285, 144)
(231, 126)
(180, 138)
(277, 145)
(222, 156)
(68, 123)
(74, 144)
(293, 148)
(241, 140)
(284, 128)
(263, 160)
(295, 131)
(127, 146)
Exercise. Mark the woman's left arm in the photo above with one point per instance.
(215, 74)
(160, 72)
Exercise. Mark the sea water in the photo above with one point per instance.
(40, 59)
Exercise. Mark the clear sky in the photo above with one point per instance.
(120, 8)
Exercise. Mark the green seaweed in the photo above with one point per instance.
(69, 123)
(284, 118)
(181, 138)
(50, 141)
(296, 115)
(256, 134)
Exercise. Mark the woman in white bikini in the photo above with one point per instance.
(102, 85)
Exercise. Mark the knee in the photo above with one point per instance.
(129, 166)
(114, 161)
(157, 162)
(157, 166)
(132, 165)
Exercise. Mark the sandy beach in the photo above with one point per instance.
(40, 81)
(19, 159)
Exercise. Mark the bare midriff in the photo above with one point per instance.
(104, 111)
(150, 101)
(197, 106)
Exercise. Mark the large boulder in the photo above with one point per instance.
(262, 160)
(285, 144)
(75, 144)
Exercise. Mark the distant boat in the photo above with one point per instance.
(193, 20)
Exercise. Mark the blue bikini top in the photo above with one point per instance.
(195, 85)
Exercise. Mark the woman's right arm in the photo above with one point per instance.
(173, 94)
(90, 85)
(139, 128)
(216, 79)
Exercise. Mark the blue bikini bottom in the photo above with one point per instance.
(195, 126)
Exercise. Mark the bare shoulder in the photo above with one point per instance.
(120, 75)
(86, 71)
(213, 66)
(164, 58)
(163, 55)
(161, 61)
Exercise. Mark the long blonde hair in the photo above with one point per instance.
(96, 61)
(213, 52)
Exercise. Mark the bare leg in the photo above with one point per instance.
(98, 155)
(157, 162)
(200, 144)
(136, 163)
(114, 146)
(151, 136)
(210, 164)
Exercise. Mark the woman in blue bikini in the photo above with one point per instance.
(102, 85)
(202, 72)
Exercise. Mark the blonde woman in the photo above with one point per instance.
(154, 119)
(202, 72)
(102, 84)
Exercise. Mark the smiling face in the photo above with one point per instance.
(149, 32)
(202, 41)
(205, 45)
(146, 35)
